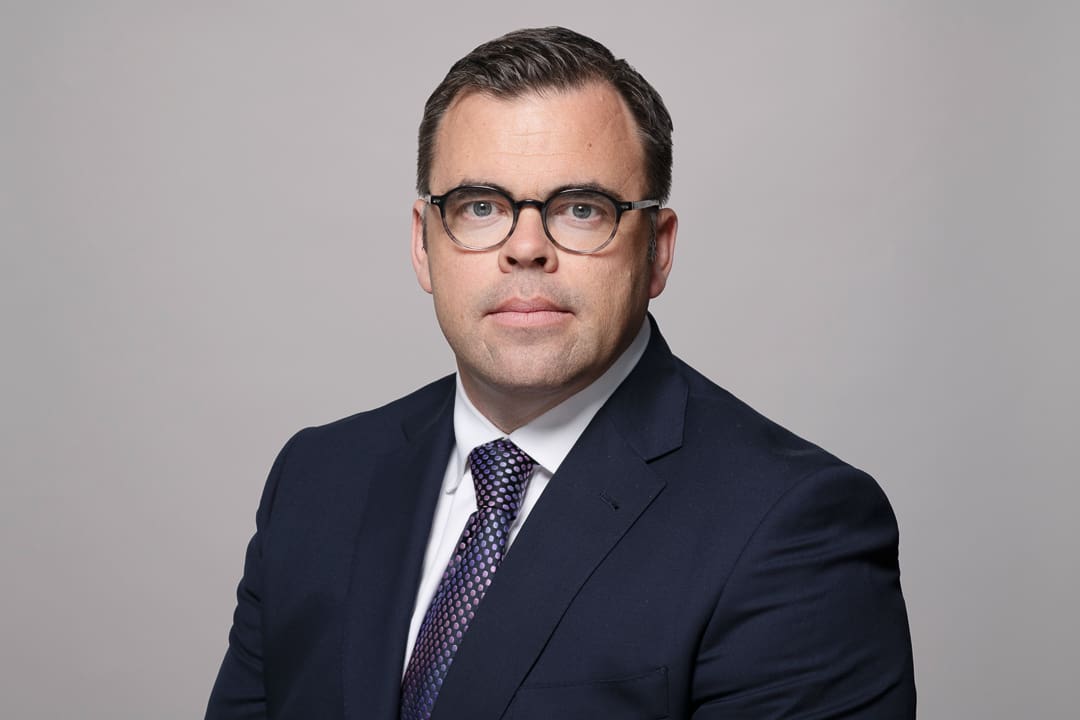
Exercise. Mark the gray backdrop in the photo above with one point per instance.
(205, 222)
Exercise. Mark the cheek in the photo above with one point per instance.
(628, 282)
(456, 287)
(617, 294)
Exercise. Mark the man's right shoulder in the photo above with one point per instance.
(384, 428)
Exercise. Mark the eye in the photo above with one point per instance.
(582, 212)
(479, 208)
(476, 205)
(581, 208)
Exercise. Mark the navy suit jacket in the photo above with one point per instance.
(690, 558)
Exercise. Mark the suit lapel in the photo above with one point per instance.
(602, 487)
(388, 555)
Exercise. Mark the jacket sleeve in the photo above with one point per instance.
(239, 691)
(812, 623)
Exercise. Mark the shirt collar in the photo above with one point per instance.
(548, 438)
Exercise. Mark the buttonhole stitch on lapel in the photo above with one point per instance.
(612, 502)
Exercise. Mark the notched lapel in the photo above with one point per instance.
(388, 555)
(602, 487)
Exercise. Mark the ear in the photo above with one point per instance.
(419, 252)
(667, 226)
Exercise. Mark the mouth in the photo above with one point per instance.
(531, 312)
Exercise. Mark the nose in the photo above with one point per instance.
(528, 246)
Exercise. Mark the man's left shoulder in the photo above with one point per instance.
(719, 421)
(730, 449)
(796, 533)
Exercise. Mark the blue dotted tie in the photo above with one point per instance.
(500, 472)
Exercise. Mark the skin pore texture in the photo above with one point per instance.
(529, 324)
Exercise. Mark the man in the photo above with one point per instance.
(577, 525)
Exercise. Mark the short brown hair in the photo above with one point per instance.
(551, 58)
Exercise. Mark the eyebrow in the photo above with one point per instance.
(588, 185)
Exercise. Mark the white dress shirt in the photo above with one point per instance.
(547, 440)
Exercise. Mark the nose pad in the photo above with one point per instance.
(528, 245)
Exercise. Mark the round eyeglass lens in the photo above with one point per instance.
(478, 218)
(581, 220)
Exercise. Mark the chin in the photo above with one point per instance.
(531, 383)
(534, 373)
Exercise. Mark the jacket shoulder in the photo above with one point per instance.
(757, 450)
(384, 428)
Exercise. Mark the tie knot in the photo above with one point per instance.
(500, 472)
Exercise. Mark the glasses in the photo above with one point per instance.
(576, 220)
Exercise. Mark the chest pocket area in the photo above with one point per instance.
(639, 697)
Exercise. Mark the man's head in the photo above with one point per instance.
(540, 60)
(532, 322)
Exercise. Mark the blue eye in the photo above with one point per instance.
(480, 208)
(582, 212)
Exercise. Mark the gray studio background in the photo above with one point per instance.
(204, 212)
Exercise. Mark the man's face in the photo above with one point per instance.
(528, 320)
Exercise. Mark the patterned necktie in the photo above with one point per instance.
(500, 472)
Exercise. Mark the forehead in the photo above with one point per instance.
(536, 142)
